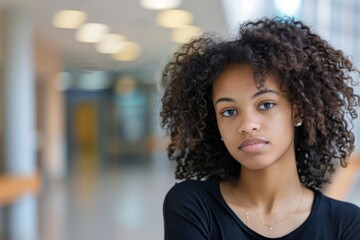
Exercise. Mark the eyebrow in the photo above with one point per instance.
(264, 91)
(257, 94)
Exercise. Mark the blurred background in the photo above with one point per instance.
(82, 154)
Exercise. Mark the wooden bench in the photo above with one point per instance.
(13, 187)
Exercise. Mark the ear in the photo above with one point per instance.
(297, 116)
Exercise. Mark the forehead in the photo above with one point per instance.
(239, 78)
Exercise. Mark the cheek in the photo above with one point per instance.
(220, 123)
(222, 130)
(225, 127)
(283, 127)
(282, 118)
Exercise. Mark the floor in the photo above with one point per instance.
(122, 203)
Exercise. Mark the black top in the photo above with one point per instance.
(196, 210)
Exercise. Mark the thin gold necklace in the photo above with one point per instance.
(270, 227)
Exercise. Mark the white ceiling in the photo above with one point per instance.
(124, 17)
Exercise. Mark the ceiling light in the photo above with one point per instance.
(288, 7)
(69, 19)
(130, 52)
(111, 44)
(92, 32)
(160, 4)
(174, 18)
(184, 34)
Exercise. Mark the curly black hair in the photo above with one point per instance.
(315, 77)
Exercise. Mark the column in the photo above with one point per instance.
(18, 115)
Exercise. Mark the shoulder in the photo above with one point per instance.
(188, 208)
(190, 189)
(191, 195)
(191, 186)
(338, 207)
(345, 215)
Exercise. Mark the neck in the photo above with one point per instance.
(268, 189)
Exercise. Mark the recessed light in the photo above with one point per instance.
(160, 4)
(69, 19)
(111, 43)
(130, 52)
(174, 18)
(92, 32)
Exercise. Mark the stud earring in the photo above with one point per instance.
(222, 139)
(298, 124)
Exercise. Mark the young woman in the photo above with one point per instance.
(257, 125)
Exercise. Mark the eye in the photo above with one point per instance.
(228, 112)
(266, 105)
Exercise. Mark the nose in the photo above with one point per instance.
(249, 123)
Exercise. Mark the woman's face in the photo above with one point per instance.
(257, 125)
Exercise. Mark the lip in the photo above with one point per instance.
(253, 145)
